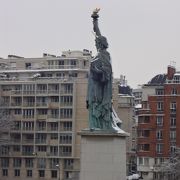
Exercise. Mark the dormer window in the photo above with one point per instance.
(159, 91)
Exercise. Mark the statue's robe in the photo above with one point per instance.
(99, 96)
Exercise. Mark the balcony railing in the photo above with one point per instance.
(24, 153)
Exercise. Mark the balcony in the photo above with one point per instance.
(42, 116)
(16, 92)
(15, 104)
(28, 104)
(28, 141)
(65, 154)
(24, 153)
(29, 92)
(42, 104)
(66, 92)
(28, 117)
(54, 105)
(41, 141)
(51, 116)
(40, 128)
(53, 141)
(54, 92)
(40, 92)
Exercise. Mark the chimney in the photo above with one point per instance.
(170, 72)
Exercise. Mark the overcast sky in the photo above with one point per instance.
(143, 35)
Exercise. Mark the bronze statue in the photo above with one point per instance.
(99, 98)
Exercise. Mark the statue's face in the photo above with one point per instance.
(101, 43)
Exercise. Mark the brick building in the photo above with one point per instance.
(158, 122)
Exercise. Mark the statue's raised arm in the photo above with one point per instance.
(95, 17)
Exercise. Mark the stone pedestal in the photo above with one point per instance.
(103, 155)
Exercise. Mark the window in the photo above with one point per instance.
(61, 62)
(4, 150)
(54, 162)
(159, 120)
(65, 150)
(42, 88)
(146, 161)
(28, 88)
(73, 62)
(17, 162)
(41, 125)
(66, 113)
(68, 163)
(54, 126)
(27, 150)
(29, 163)
(67, 88)
(174, 91)
(17, 111)
(66, 126)
(54, 136)
(173, 148)
(28, 126)
(173, 107)
(159, 148)
(160, 106)
(54, 150)
(55, 113)
(17, 125)
(4, 162)
(40, 138)
(16, 148)
(28, 65)
(13, 64)
(66, 100)
(65, 138)
(54, 99)
(42, 148)
(173, 121)
(143, 161)
(17, 172)
(144, 147)
(41, 173)
(42, 111)
(28, 113)
(143, 119)
(54, 174)
(159, 91)
(159, 134)
(29, 173)
(41, 163)
(4, 172)
(143, 133)
(60, 75)
(173, 134)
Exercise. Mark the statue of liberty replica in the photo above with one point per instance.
(103, 144)
(99, 96)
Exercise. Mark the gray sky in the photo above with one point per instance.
(143, 35)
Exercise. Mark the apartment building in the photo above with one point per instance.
(46, 99)
(123, 102)
(158, 123)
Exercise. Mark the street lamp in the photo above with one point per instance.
(58, 166)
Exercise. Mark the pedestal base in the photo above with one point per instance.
(103, 155)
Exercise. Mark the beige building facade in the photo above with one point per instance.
(46, 98)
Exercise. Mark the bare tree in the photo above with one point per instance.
(171, 167)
